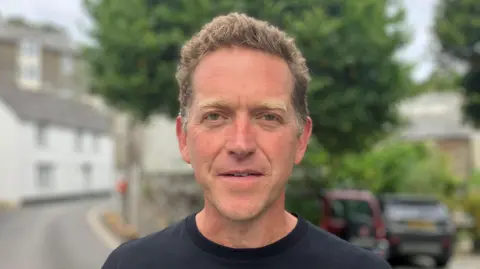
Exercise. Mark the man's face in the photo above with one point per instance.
(242, 138)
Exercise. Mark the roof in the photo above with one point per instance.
(48, 107)
(55, 41)
(435, 115)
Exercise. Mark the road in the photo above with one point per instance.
(53, 236)
(58, 236)
(463, 262)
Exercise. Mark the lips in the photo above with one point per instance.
(241, 173)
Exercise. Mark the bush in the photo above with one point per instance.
(396, 166)
(471, 204)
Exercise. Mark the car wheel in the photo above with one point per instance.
(442, 262)
(399, 261)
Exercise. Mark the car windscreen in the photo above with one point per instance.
(352, 210)
(408, 211)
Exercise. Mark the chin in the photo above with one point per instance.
(240, 213)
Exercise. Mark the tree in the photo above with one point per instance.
(357, 79)
(52, 28)
(45, 27)
(443, 79)
(18, 21)
(350, 47)
(457, 28)
(137, 48)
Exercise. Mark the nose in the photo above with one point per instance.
(241, 142)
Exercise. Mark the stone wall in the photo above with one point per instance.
(167, 198)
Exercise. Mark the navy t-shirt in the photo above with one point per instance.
(182, 246)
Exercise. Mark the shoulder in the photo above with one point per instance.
(147, 249)
(341, 254)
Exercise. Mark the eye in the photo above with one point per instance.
(270, 117)
(212, 116)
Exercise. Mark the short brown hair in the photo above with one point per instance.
(237, 29)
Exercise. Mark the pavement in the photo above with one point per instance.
(459, 262)
(51, 236)
(71, 235)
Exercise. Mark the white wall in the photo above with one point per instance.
(160, 147)
(9, 155)
(62, 153)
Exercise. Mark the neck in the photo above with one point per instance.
(272, 225)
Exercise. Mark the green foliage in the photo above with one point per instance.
(443, 80)
(457, 27)
(393, 167)
(458, 31)
(472, 207)
(349, 46)
(46, 27)
(473, 182)
(304, 200)
(471, 201)
(397, 167)
(18, 21)
(137, 47)
(471, 91)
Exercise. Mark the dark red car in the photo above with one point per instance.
(354, 216)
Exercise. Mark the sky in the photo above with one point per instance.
(70, 14)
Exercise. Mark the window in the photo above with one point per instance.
(29, 64)
(87, 173)
(44, 175)
(67, 64)
(352, 210)
(79, 140)
(32, 73)
(29, 72)
(95, 144)
(30, 48)
(41, 134)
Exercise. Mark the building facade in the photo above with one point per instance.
(33, 59)
(436, 117)
(52, 147)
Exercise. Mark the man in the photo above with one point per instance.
(243, 125)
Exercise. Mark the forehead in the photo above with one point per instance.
(240, 74)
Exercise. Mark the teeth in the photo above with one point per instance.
(240, 174)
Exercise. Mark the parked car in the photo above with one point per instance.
(355, 216)
(418, 225)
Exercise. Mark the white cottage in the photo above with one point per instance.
(52, 147)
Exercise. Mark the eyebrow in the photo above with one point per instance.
(271, 105)
(274, 105)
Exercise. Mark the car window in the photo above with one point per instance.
(338, 209)
(352, 209)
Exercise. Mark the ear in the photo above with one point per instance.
(302, 141)
(182, 140)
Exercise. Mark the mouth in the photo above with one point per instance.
(241, 174)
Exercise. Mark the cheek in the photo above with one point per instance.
(202, 147)
(279, 148)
